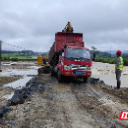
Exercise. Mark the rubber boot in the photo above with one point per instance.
(118, 85)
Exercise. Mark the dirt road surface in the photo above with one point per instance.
(71, 104)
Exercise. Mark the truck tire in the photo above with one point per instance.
(40, 70)
(59, 76)
(46, 69)
(85, 79)
(52, 71)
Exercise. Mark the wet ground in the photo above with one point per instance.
(45, 103)
(106, 72)
(73, 104)
(13, 76)
(17, 69)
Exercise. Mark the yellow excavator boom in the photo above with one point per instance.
(68, 28)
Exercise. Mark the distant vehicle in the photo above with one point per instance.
(68, 56)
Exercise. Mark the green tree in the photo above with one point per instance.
(95, 51)
(93, 48)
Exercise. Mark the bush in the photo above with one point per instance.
(14, 59)
(111, 60)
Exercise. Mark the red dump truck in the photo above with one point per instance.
(68, 56)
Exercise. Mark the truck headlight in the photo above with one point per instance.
(66, 67)
(88, 68)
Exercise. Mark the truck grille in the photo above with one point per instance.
(78, 67)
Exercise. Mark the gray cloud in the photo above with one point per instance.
(33, 24)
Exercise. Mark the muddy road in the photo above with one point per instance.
(71, 104)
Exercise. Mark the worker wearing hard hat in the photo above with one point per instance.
(118, 68)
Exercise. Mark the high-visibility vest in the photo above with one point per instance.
(121, 65)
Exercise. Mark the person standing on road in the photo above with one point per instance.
(118, 68)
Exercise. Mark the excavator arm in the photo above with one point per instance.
(68, 28)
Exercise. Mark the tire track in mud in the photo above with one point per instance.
(104, 108)
(78, 105)
(69, 112)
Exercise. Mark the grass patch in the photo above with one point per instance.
(18, 57)
(111, 60)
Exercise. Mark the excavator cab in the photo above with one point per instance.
(68, 28)
(45, 61)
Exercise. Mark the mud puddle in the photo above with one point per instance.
(111, 80)
(8, 96)
(19, 72)
(19, 83)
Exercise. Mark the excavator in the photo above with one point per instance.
(43, 60)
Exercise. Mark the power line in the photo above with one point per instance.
(16, 46)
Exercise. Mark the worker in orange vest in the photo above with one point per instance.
(118, 68)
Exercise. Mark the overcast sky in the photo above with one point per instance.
(32, 24)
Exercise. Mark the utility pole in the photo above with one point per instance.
(0, 55)
(110, 50)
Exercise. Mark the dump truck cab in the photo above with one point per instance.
(74, 61)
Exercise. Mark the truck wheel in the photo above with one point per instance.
(59, 76)
(85, 79)
(52, 71)
(39, 71)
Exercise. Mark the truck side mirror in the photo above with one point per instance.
(65, 46)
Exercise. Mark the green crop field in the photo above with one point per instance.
(19, 57)
(111, 60)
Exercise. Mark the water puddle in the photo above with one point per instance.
(111, 80)
(8, 96)
(106, 73)
(34, 67)
(9, 63)
(19, 83)
(23, 72)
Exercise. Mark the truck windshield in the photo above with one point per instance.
(77, 53)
